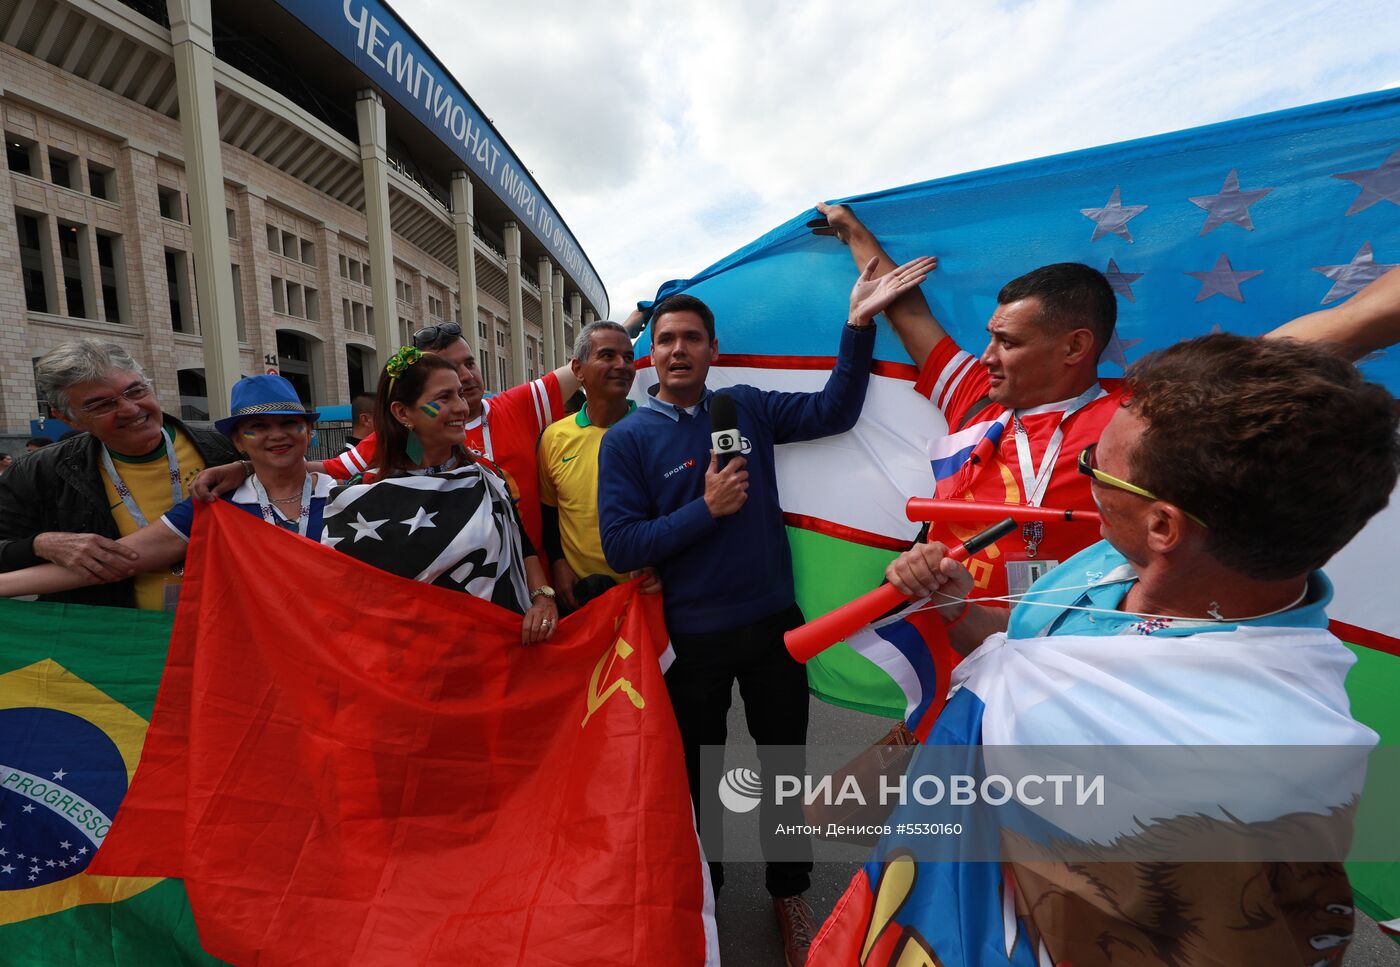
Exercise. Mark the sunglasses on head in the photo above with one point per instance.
(432, 335)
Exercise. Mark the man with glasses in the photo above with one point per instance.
(1235, 469)
(1020, 413)
(68, 503)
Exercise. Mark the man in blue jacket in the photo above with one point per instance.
(716, 536)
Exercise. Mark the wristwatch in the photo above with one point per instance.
(544, 590)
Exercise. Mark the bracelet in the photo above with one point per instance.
(967, 606)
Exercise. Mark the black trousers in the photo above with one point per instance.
(774, 689)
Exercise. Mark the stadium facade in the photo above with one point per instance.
(311, 158)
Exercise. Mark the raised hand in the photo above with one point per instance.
(871, 295)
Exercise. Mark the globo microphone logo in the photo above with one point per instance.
(740, 790)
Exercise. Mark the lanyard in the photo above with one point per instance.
(270, 515)
(486, 430)
(1034, 482)
(177, 492)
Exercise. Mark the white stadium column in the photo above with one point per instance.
(546, 276)
(191, 34)
(517, 304)
(374, 163)
(560, 342)
(576, 313)
(463, 220)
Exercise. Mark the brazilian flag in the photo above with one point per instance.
(77, 686)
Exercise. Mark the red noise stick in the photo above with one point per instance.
(962, 511)
(807, 641)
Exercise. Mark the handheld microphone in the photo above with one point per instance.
(724, 428)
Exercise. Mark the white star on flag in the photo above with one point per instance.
(1222, 279)
(34, 869)
(331, 541)
(420, 519)
(82, 851)
(60, 774)
(1113, 218)
(4, 852)
(28, 808)
(1122, 282)
(49, 863)
(1230, 205)
(1362, 270)
(367, 528)
(64, 845)
(7, 868)
(1377, 184)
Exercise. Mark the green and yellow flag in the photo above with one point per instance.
(77, 686)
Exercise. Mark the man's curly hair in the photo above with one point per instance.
(1282, 448)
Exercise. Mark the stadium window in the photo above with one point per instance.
(365, 267)
(481, 329)
(295, 305)
(239, 324)
(63, 168)
(291, 246)
(313, 304)
(274, 240)
(101, 182)
(35, 260)
(357, 316)
(345, 314)
(279, 296)
(354, 271)
(308, 252)
(484, 363)
(77, 270)
(501, 365)
(344, 269)
(177, 285)
(169, 200)
(232, 219)
(111, 267)
(21, 154)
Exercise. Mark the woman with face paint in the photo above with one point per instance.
(433, 510)
(271, 428)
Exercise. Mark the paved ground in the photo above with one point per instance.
(748, 936)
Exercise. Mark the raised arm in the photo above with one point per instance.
(1368, 321)
(156, 547)
(909, 315)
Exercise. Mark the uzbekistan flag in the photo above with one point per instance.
(1239, 226)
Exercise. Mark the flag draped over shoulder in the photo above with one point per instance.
(1014, 699)
(349, 767)
(76, 689)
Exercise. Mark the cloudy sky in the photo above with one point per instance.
(668, 134)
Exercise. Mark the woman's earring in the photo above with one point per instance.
(413, 447)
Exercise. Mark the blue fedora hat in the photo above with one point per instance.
(263, 396)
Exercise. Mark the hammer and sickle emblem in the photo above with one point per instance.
(622, 650)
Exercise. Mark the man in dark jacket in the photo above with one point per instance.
(70, 502)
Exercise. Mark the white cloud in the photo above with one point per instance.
(668, 135)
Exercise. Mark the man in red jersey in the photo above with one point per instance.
(503, 429)
(1019, 414)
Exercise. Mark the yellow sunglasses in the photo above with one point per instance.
(1089, 467)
